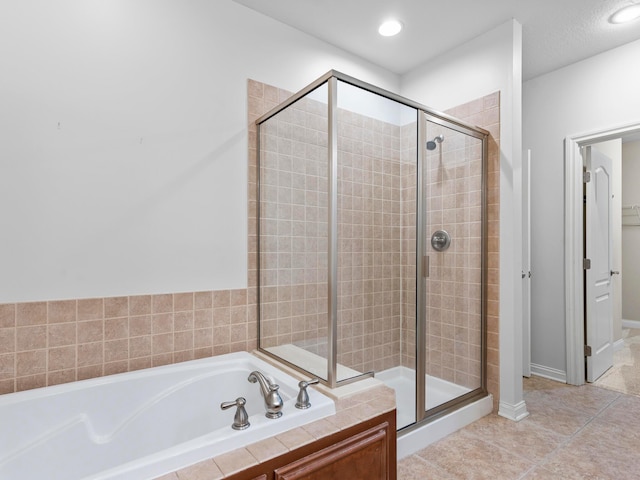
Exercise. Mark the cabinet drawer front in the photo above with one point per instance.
(363, 456)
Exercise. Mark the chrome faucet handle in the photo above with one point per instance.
(240, 419)
(302, 402)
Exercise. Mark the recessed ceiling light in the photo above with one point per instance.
(626, 14)
(390, 28)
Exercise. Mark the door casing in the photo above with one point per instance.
(574, 249)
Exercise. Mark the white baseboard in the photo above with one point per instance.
(548, 372)
(618, 345)
(513, 412)
(631, 323)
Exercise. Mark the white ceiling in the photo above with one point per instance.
(555, 32)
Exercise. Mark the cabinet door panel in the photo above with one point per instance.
(363, 456)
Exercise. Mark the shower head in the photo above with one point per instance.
(431, 144)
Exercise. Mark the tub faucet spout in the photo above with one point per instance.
(272, 399)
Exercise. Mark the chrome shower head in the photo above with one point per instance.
(431, 144)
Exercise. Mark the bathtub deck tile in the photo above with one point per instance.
(206, 470)
(295, 438)
(320, 428)
(168, 476)
(383, 399)
(235, 461)
(365, 411)
(267, 449)
(346, 418)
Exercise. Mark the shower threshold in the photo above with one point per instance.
(402, 380)
(438, 392)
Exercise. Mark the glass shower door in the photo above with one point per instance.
(452, 267)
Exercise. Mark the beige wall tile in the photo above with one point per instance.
(34, 313)
(62, 311)
(91, 308)
(7, 315)
(116, 307)
(140, 305)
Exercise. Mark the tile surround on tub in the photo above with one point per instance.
(47, 343)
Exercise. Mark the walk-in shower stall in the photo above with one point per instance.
(372, 250)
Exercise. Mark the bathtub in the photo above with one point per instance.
(142, 424)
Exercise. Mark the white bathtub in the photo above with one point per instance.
(142, 424)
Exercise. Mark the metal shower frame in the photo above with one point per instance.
(423, 115)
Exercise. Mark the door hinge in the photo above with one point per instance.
(587, 351)
(425, 266)
(586, 177)
(586, 263)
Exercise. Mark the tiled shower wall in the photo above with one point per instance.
(453, 288)
(294, 228)
(409, 199)
(369, 237)
(294, 234)
(484, 112)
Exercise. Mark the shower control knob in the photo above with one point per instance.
(302, 402)
(440, 240)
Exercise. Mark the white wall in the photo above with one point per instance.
(491, 62)
(589, 96)
(123, 146)
(631, 234)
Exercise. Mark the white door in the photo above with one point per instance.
(526, 264)
(599, 288)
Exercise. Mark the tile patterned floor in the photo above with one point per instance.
(571, 433)
(624, 377)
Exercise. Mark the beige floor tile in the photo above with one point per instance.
(572, 433)
(624, 412)
(540, 473)
(624, 376)
(585, 398)
(524, 438)
(579, 460)
(563, 421)
(535, 383)
(416, 468)
(464, 456)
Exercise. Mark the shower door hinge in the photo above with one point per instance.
(587, 351)
(425, 266)
(586, 263)
(586, 177)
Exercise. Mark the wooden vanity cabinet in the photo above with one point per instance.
(365, 451)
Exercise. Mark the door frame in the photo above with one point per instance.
(526, 263)
(574, 249)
